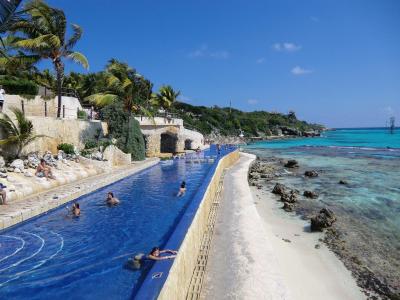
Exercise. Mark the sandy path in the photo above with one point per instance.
(242, 264)
(250, 260)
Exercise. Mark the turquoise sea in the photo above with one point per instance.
(368, 208)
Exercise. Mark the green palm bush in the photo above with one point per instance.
(165, 97)
(19, 134)
(125, 92)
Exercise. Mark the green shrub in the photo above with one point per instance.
(19, 87)
(67, 148)
(105, 143)
(85, 152)
(82, 115)
(133, 141)
(90, 144)
(129, 136)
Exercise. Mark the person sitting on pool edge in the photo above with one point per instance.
(3, 194)
(182, 189)
(43, 170)
(111, 200)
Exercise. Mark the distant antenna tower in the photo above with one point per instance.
(391, 128)
(230, 106)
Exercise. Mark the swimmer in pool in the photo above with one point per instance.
(182, 189)
(155, 254)
(111, 200)
(75, 210)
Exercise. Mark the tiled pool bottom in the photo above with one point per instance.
(56, 257)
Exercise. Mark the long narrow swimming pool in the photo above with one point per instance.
(58, 257)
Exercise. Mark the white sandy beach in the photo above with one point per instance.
(250, 260)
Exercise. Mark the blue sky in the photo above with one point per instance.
(333, 62)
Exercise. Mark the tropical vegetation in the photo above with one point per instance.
(119, 92)
(227, 121)
(40, 33)
(18, 134)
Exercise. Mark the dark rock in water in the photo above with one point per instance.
(259, 186)
(311, 173)
(317, 246)
(343, 182)
(288, 206)
(254, 175)
(310, 194)
(289, 197)
(324, 219)
(279, 189)
(292, 163)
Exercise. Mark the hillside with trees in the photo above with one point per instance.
(227, 121)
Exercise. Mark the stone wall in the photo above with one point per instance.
(196, 138)
(36, 106)
(152, 135)
(177, 283)
(59, 131)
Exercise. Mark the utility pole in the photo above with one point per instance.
(230, 106)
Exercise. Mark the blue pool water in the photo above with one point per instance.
(368, 208)
(58, 257)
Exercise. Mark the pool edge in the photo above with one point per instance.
(170, 279)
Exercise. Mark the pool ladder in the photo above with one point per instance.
(196, 282)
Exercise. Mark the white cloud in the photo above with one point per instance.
(204, 51)
(261, 60)
(252, 101)
(222, 54)
(300, 71)
(286, 47)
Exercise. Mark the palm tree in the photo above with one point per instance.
(165, 98)
(122, 83)
(20, 134)
(42, 35)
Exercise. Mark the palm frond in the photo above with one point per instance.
(101, 100)
(79, 58)
(75, 37)
(43, 42)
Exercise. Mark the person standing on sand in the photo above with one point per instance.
(2, 94)
(3, 194)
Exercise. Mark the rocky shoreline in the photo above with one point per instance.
(265, 173)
